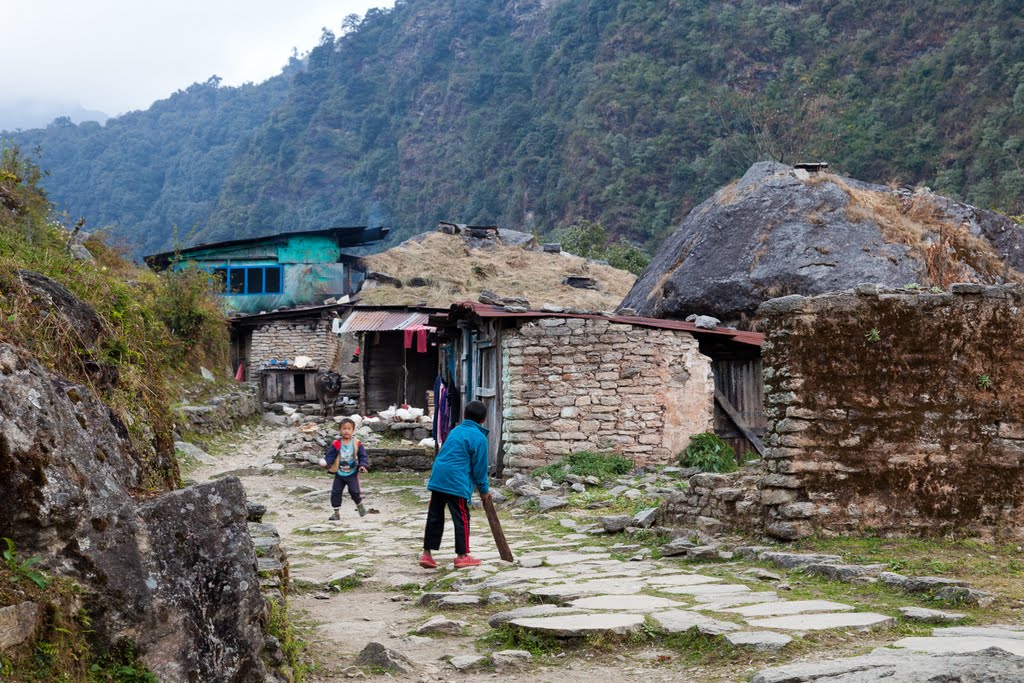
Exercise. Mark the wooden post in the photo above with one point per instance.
(499, 536)
(362, 373)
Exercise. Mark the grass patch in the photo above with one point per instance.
(696, 648)
(710, 453)
(616, 505)
(348, 583)
(994, 567)
(280, 625)
(138, 337)
(508, 637)
(604, 466)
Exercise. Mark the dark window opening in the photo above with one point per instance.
(236, 280)
(254, 280)
(220, 278)
(300, 385)
(273, 285)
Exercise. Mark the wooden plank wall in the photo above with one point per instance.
(385, 380)
(741, 381)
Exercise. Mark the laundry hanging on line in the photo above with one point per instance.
(417, 335)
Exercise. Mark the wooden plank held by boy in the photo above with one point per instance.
(499, 536)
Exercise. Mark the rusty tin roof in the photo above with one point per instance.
(490, 311)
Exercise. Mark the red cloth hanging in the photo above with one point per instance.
(409, 333)
(421, 340)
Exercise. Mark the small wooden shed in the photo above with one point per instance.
(288, 384)
(398, 359)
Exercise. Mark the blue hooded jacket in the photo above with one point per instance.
(462, 462)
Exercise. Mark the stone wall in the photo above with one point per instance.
(221, 413)
(713, 502)
(573, 384)
(284, 340)
(895, 412)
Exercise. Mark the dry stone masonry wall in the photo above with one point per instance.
(900, 412)
(222, 413)
(574, 384)
(286, 340)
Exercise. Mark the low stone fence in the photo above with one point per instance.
(221, 413)
(392, 459)
(713, 502)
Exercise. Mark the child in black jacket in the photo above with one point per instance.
(346, 458)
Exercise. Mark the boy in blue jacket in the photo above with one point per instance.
(345, 459)
(461, 463)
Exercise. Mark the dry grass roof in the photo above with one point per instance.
(948, 249)
(455, 272)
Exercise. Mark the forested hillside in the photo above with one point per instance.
(532, 115)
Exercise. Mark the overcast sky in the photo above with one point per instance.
(119, 55)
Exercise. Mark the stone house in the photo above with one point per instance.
(558, 383)
(278, 271)
(267, 344)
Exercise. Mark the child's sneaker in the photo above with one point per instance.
(335, 517)
(362, 510)
(466, 561)
(427, 562)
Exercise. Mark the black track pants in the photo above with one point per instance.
(338, 488)
(459, 509)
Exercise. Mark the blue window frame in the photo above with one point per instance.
(241, 280)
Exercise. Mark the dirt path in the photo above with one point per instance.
(384, 549)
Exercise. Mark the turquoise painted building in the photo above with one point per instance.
(278, 271)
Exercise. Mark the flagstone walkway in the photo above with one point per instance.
(575, 606)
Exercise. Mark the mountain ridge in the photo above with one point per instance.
(532, 115)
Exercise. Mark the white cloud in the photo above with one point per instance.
(119, 55)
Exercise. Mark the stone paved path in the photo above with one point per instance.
(564, 585)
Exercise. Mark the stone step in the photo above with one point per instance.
(682, 580)
(823, 622)
(627, 603)
(572, 590)
(681, 621)
(579, 625)
(502, 618)
(759, 640)
(706, 589)
(778, 609)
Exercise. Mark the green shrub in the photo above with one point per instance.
(153, 331)
(22, 568)
(585, 464)
(710, 453)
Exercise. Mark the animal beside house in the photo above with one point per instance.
(328, 386)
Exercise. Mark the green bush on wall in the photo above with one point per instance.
(586, 463)
(710, 453)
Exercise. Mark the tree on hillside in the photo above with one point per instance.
(590, 239)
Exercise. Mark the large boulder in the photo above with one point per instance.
(175, 574)
(780, 231)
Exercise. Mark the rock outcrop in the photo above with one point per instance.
(782, 231)
(173, 574)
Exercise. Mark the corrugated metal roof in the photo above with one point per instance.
(382, 321)
(294, 312)
(490, 311)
